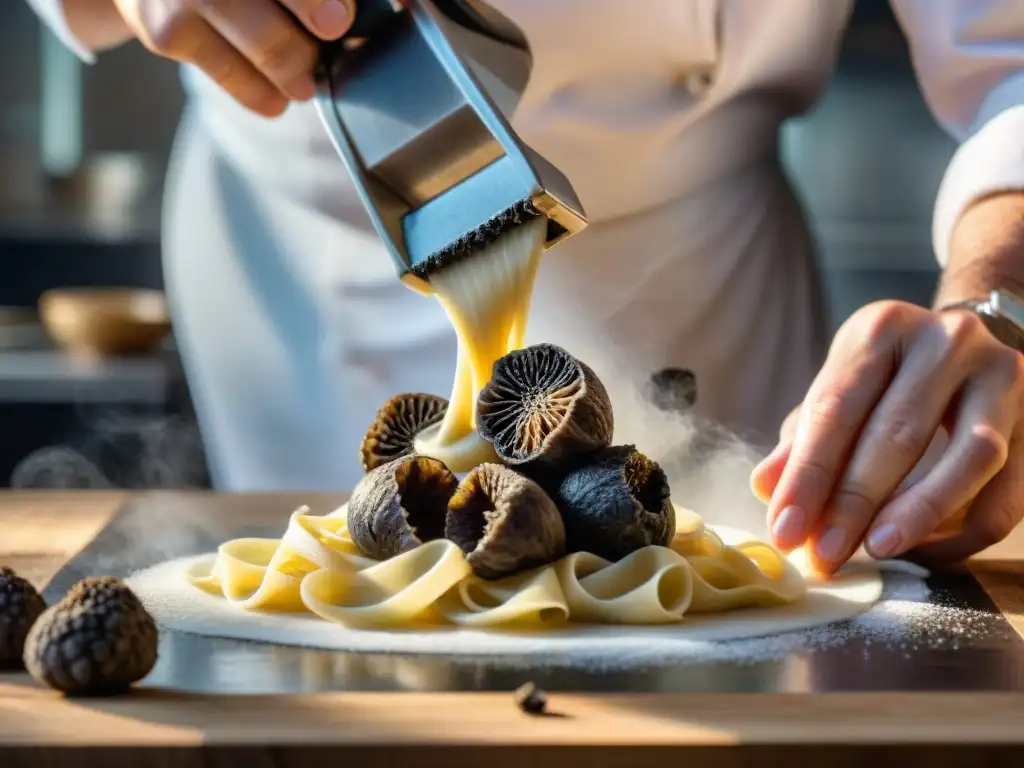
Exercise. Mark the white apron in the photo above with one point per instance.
(294, 329)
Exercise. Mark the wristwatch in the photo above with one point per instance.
(1003, 314)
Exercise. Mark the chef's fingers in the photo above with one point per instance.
(788, 428)
(766, 475)
(893, 440)
(267, 35)
(856, 373)
(998, 509)
(977, 452)
(180, 34)
(327, 19)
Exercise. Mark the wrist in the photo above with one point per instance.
(97, 24)
(986, 250)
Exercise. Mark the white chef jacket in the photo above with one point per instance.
(664, 115)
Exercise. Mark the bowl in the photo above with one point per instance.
(105, 322)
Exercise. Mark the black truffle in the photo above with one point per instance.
(399, 505)
(98, 640)
(614, 503)
(673, 390)
(504, 522)
(20, 607)
(531, 699)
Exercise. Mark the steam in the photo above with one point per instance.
(119, 449)
(708, 467)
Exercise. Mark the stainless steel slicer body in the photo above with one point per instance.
(417, 101)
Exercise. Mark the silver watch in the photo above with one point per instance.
(1003, 314)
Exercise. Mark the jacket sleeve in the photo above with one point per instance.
(969, 59)
(51, 12)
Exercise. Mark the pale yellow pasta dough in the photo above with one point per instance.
(315, 568)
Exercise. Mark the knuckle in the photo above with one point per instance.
(881, 320)
(813, 474)
(829, 412)
(994, 526)
(167, 35)
(283, 55)
(854, 501)
(1008, 364)
(1015, 368)
(904, 434)
(921, 507)
(987, 449)
(961, 329)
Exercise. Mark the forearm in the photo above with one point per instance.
(986, 250)
(96, 23)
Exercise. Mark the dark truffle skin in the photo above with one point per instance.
(614, 503)
(98, 640)
(400, 505)
(542, 405)
(531, 699)
(504, 522)
(396, 425)
(673, 390)
(20, 607)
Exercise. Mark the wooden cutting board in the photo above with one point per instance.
(949, 708)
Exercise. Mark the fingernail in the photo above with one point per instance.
(302, 89)
(789, 526)
(332, 18)
(831, 544)
(884, 540)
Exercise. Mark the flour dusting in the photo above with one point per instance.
(905, 619)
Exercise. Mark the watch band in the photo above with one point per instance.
(1002, 313)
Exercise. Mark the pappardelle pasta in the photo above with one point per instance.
(316, 568)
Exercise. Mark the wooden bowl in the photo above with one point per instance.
(105, 322)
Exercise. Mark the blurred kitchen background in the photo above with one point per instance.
(82, 153)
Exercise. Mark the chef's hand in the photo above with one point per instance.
(896, 374)
(253, 49)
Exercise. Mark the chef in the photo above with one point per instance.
(665, 115)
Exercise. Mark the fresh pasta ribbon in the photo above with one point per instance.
(532, 599)
(316, 568)
(398, 591)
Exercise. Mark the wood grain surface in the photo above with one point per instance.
(40, 532)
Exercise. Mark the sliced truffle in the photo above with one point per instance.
(504, 522)
(20, 606)
(543, 405)
(399, 505)
(614, 503)
(396, 425)
(98, 640)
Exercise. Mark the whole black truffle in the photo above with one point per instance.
(20, 606)
(98, 640)
(504, 522)
(531, 699)
(398, 506)
(613, 503)
(673, 390)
